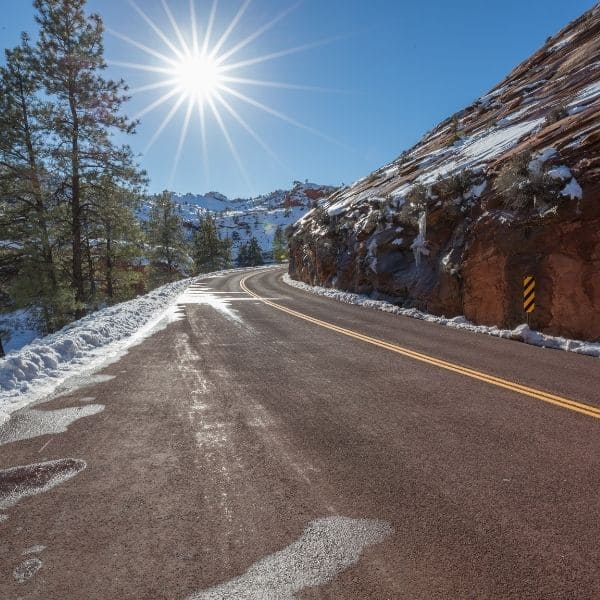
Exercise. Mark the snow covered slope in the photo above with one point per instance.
(259, 217)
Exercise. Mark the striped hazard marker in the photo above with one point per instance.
(529, 293)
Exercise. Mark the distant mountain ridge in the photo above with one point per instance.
(243, 218)
(302, 194)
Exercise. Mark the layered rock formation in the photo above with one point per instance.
(507, 187)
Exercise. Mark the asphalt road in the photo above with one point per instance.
(269, 443)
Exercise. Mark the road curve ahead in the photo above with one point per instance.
(273, 444)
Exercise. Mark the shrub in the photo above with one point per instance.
(454, 186)
(522, 187)
(417, 198)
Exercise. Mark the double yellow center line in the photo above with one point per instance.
(585, 409)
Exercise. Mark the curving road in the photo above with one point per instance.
(269, 443)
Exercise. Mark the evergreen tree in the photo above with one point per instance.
(242, 258)
(119, 240)
(166, 239)
(210, 252)
(83, 113)
(280, 249)
(255, 256)
(28, 194)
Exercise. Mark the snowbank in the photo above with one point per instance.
(84, 346)
(521, 333)
(38, 368)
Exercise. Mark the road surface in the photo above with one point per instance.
(269, 443)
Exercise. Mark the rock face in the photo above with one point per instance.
(507, 187)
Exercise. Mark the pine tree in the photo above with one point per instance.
(280, 249)
(255, 256)
(29, 195)
(242, 258)
(119, 240)
(166, 238)
(210, 252)
(83, 112)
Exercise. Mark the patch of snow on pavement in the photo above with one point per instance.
(29, 424)
(21, 482)
(27, 569)
(521, 333)
(326, 547)
(198, 295)
(33, 550)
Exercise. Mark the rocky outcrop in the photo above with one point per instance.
(507, 187)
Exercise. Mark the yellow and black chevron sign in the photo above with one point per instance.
(529, 294)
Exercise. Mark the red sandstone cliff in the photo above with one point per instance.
(507, 187)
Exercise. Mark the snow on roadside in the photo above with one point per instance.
(84, 346)
(38, 368)
(522, 333)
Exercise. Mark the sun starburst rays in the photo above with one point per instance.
(200, 75)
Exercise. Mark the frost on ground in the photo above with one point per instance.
(33, 550)
(36, 370)
(27, 569)
(326, 547)
(521, 333)
(21, 482)
(29, 424)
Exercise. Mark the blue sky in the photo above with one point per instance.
(399, 67)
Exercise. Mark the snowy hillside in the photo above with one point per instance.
(244, 218)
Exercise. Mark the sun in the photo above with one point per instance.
(198, 77)
(202, 75)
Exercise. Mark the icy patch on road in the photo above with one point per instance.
(33, 550)
(29, 424)
(27, 569)
(200, 295)
(522, 333)
(21, 482)
(327, 547)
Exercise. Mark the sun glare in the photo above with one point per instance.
(201, 75)
(198, 77)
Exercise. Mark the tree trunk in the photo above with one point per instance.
(91, 270)
(76, 208)
(40, 207)
(109, 265)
